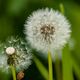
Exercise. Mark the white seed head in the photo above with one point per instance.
(10, 50)
(47, 29)
(22, 57)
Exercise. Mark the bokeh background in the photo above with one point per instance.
(13, 14)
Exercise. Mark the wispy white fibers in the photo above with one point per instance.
(15, 52)
(47, 29)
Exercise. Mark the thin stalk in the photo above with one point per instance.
(50, 66)
(13, 72)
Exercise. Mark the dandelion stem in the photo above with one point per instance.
(13, 72)
(50, 66)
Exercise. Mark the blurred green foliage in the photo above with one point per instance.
(13, 14)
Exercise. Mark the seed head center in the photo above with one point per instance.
(47, 31)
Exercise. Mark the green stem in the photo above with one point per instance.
(50, 66)
(58, 70)
(13, 72)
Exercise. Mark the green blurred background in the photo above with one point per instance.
(13, 14)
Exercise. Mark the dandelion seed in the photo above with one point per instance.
(47, 29)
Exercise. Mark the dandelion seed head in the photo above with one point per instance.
(47, 29)
(15, 52)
